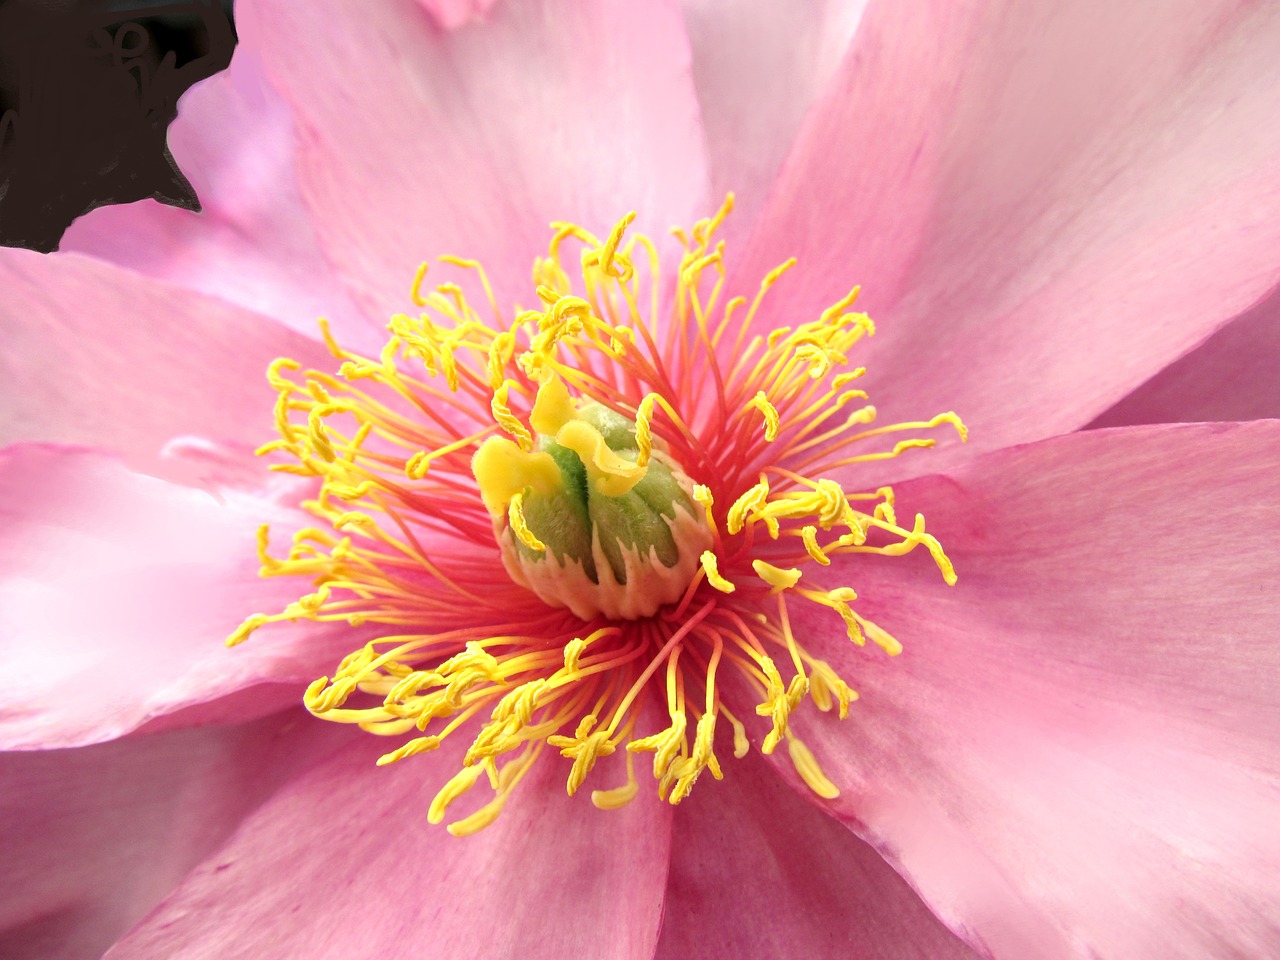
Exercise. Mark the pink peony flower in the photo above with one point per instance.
(1049, 207)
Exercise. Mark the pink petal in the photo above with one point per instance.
(452, 14)
(95, 354)
(1077, 753)
(419, 143)
(757, 872)
(342, 863)
(97, 836)
(1234, 375)
(116, 593)
(252, 244)
(758, 66)
(1046, 203)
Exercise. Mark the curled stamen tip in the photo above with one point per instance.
(242, 632)
(709, 567)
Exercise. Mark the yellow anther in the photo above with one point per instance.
(644, 426)
(449, 367)
(572, 651)
(881, 637)
(774, 704)
(567, 317)
(806, 765)
(779, 703)
(775, 335)
(548, 274)
(703, 742)
(515, 516)
(548, 296)
(411, 748)
(273, 446)
(644, 430)
(520, 702)
(353, 518)
(809, 536)
(621, 339)
(482, 818)
(952, 418)
(268, 562)
(917, 443)
(326, 334)
(774, 275)
(416, 467)
(918, 536)
(495, 738)
(571, 312)
(584, 748)
(708, 561)
(314, 601)
(322, 696)
(839, 600)
(832, 507)
(347, 491)
(826, 683)
(413, 683)
(460, 783)
(702, 758)
(862, 415)
(241, 633)
(776, 577)
(501, 350)
(750, 502)
(276, 378)
(616, 798)
(692, 270)
(415, 292)
(842, 380)
(741, 745)
(836, 311)
(665, 744)
(473, 658)
(702, 495)
(317, 392)
(503, 782)
(319, 436)
(816, 358)
(503, 416)
(769, 412)
(610, 249)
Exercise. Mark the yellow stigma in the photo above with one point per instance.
(546, 522)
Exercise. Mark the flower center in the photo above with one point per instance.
(586, 520)
(662, 484)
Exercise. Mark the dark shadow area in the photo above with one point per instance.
(88, 89)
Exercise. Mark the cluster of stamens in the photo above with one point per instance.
(465, 432)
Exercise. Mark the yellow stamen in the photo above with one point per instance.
(708, 561)
(807, 766)
(769, 412)
(464, 429)
(515, 515)
(776, 577)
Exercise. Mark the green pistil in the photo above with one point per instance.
(564, 520)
